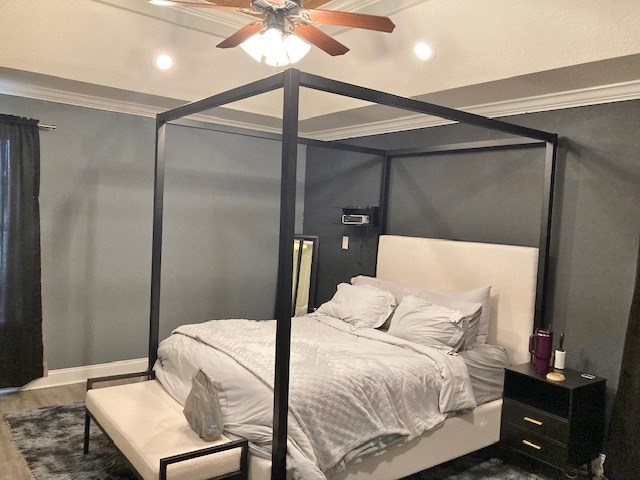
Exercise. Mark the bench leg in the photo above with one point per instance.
(87, 424)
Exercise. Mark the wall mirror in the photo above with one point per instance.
(303, 286)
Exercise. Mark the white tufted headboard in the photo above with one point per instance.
(452, 265)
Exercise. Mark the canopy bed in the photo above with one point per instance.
(517, 274)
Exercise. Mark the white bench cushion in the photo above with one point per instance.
(147, 424)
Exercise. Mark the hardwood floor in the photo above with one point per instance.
(12, 465)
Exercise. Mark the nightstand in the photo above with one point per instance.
(559, 423)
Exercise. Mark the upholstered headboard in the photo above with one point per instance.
(452, 265)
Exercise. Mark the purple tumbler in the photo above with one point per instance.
(541, 346)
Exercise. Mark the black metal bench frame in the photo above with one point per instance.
(243, 443)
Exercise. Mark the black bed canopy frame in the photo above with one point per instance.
(291, 81)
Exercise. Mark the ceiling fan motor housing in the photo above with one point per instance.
(288, 7)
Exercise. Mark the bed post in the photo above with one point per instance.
(156, 252)
(545, 233)
(384, 200)
(384, 193)
(285, 272)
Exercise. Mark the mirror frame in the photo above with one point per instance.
(315, 239)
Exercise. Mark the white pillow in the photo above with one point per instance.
(361, 305)
(480, 295)
(420, 322)
(472, 305)
(398, 290)
(472, 313)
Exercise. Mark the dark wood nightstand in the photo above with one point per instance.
(559, 423)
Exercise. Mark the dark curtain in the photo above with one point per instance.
(20, 292)
(623, 444)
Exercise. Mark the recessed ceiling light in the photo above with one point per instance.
(163, 62)
(424, 51)
(159, 2)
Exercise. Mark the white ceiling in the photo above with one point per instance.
(103, 48)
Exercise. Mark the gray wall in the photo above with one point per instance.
(495, 197)
(221, 227)
(222, 210)
(469, 197)
(337, 179)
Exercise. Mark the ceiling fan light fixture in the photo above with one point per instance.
(254, 46)
(275, 48)
(279, 60)
(272, 41)
(296, 48)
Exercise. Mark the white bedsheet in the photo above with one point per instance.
(350, 391)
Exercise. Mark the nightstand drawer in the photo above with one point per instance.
(536, 446)
(535, 420)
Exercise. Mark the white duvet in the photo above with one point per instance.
(351, 391)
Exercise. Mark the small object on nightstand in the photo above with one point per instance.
(559, 359)
(555, 377)
(560, 355)
(541, 346)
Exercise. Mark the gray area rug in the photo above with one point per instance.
(50, 439)
(475, 467)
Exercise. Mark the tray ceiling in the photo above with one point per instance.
(106, 47)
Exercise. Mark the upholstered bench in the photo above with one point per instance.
(148, 427)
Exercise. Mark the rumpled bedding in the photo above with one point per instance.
(486, 364)
(351, 392)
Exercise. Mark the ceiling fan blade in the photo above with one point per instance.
(315, 3)
(238, 6)
(320, 39)
(244, 3)
(348, 19)
(241, 35)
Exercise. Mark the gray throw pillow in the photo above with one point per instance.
(202, 407)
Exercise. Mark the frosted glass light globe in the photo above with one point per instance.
(275, 48)
(254, 46)
(296, 48)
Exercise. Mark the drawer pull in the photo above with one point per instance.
(532, 445)
(532, 420)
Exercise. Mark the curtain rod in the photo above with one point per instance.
(45, 126)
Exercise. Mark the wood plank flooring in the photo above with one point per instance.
(12, 464)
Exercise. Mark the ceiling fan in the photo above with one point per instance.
(286, 21)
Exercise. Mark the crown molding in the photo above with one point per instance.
(211, 20)
(554, 101)
(217, 23)
(113, 105)
(617, 92)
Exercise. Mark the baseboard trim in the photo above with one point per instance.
(68, 376)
